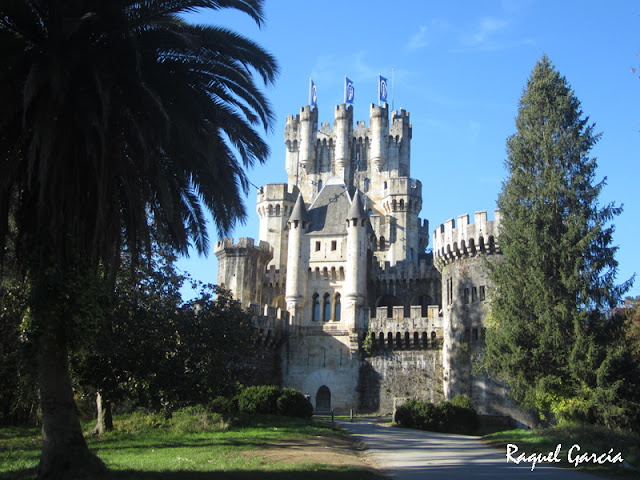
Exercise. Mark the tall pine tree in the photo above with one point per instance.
(557, 277)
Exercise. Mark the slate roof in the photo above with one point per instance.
(328, 213)
(299, 211)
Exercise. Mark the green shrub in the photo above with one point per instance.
(140, 420)
(197, 419)
(446, 417)
(224, 404)
(462, 401)
(260, 399)
(294, 404)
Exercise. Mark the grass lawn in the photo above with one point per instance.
(146, 449)
(590, 439)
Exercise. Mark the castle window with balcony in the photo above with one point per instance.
(326, 308)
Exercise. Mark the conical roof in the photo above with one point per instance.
(356, 210)
(299, 211)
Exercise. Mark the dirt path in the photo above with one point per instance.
(334, 450)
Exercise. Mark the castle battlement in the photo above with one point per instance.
(467, 239)
(271, 323)
(400, 332)
(403, 271)
(274, 277)
(243, 243)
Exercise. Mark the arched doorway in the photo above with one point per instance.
(323, 399)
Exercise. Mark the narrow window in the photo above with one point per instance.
(334, 245)
(319, 185)
(326, 307)
(474, 294)
(482, 293)
(336, 309)
(383, 245)
(277, 210)
(315, 308)
(317, 246)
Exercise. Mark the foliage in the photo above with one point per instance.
(222, 404)
(259, 399)
(549, 337)
(197, 419)
(445, 417)
(292, 403)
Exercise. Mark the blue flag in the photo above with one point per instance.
(382, 89)
(349, 91)
(313, 96)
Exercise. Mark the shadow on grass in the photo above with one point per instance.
(320, 474)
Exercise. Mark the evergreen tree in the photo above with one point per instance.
(557, 277)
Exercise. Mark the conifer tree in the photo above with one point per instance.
(557, 277)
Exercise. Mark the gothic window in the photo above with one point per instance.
(270, 210)
(326, 307)
(398, 340)
(337, 309)
(394, 205)
(315, 308)
(401, 204)
(390, 340)
(433, 336)
(277, 210)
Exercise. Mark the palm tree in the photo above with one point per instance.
(118, 118)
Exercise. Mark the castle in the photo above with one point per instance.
(358, 314)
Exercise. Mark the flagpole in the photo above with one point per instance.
(393, 76)
(310, 93)
(345, 89)
(379, 88)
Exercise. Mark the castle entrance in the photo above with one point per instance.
(323, 400)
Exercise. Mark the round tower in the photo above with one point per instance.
(343, 135)
(307, 137)
(355, 285)
(274, 207)
(297, 262)
(460, 254)
(379, 127)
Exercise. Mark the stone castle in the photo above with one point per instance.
(357, 312)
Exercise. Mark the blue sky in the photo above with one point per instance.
(460, 68)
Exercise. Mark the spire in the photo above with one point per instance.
(299, 211)
(356, 211)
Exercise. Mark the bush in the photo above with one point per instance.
(260, 399)
(446, 417)
(224, 404)
(197, 419)
(294, 404)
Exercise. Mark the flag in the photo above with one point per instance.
(382, 89)
(349, 91)
(313, 96)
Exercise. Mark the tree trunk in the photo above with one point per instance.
(65, 454)
(104, 422)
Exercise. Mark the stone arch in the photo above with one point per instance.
(326, 307)
(315, 307)
(323, 399)
(337, 308)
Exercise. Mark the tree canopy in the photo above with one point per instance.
(556, 280)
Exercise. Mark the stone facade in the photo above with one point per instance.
(367, 315)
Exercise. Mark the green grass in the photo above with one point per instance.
(590, 438)
(148, 447)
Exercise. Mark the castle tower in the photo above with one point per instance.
(274, 206)
(297, 262)
(460, 254)
(400, 144)
(241, 267)
(355, 285)
(379, 127)
(343, 135)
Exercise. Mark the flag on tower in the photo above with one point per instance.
(349, 91)
(313, 96)
(382, 89)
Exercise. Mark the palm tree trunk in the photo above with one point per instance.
(65, 453)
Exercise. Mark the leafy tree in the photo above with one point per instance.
(115, 116)
(558, 271)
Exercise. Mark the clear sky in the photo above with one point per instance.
(460, 68)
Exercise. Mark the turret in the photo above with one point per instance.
(297, 261)
(355, 285)
(400, 135)
(308, 136)
(379, 127)
(343, 134)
